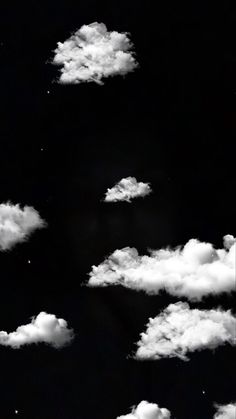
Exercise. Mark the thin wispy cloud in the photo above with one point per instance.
(146, 410)
(93, 53)
(193, 271)
(227, 411)
(127, 189)
(179, 330)
(17, 224)
(45, 328)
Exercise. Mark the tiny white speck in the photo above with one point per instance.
(48, 91)
(41, 149)
(29, 261)
(203, 392)
(16, 412)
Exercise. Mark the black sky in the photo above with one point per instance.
(171, 123)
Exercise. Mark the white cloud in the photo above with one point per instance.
(17, 224)
(194, 271)
(227, 411)
(179, 330)
(45, 328)
(147, 410)
(92, 53)
(127, 189)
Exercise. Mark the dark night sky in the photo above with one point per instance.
(171, 123)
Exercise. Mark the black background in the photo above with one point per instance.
(171, 123)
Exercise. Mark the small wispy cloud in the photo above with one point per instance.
(194, 271)
(93, 53)
(227, 411)
(16, 224)
(127, 189)
(146, 410)
(179, 330)
(45, 328)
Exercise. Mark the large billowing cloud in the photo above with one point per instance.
(45, 328)
(93, 53)
(16, 224)
(179, 330)
(194, 271)
(227, 411)
(127, 189)
(146, 410)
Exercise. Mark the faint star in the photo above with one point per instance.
(29, 261)
(203, 392)
(41, 149)
(48, 91)
(16, 412)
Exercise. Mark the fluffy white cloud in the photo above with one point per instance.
(17, 224)
(179, 330)
(45, 328)
(147, 410)
(194, 271)
(93, 53)
(227, 411)
(127, 189)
